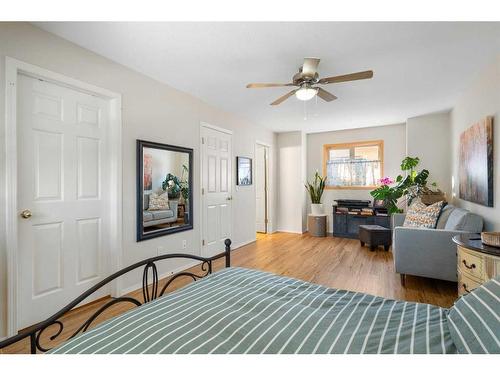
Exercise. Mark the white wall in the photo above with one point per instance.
(428, 137)
(481, 99)
(164, 162)
(394, 137)
(150, 111)
(291, 191)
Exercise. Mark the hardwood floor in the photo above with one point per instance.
(333, 262)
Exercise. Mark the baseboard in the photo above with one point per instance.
(234, 247)
(289, 231)
(162, 276)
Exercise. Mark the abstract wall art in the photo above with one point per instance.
(476, 163)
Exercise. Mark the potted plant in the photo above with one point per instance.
(315, 190)
(172, 185)
(410, 187)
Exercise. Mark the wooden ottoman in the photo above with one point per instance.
(375, 235)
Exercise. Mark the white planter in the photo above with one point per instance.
(317, 208)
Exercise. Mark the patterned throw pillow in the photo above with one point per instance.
(158, 202)
(474, 322)
(421, 216)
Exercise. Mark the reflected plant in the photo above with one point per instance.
(184, 183)
(171, 184)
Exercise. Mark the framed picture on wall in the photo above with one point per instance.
(243, 171)
(476, 163)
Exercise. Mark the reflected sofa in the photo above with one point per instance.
(156, 217)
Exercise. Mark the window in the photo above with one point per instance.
(353, 165)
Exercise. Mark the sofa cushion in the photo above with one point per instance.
(422, 216)
(158, 215)
(473, 320)
(460, 219)
(445, 214)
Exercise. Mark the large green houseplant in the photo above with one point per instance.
(176, 186)
(315, 190)
(413, 185)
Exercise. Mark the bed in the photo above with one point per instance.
(238, 310)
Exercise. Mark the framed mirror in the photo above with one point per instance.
(164, 189)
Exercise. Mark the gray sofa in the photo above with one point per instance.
(431, 252)
(156, 217)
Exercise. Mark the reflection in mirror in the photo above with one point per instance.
(164, 189)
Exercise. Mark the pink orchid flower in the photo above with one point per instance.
(386, 181)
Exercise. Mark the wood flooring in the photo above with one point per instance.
(329, 261)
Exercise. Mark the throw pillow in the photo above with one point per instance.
(158, 202)
(473, 320)
(421, 216)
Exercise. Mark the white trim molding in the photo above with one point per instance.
(14, 67)
(218, 128)
(237, 246)
(269, 185)
(289, 231)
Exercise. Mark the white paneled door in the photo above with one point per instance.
(216, 189)
(62, 225)
(261, 178)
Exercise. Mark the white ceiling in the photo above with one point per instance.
(418, 67)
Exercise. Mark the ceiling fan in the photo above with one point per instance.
(305, 80)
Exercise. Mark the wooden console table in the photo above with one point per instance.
(477, 263)
(347, 225)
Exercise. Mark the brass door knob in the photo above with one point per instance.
(26, 214)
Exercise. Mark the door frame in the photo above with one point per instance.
(13, 67)
(201, 195)
(269, 224)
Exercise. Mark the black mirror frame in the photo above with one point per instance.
(140, 144)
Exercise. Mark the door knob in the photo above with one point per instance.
(26, 214)
(229, 198)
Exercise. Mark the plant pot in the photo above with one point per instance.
(432, 197)
(317, 208)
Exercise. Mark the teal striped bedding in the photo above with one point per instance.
(474, 320)
(238, 310)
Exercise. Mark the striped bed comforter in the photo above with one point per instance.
(238, 310)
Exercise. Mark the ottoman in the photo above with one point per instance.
(375, 235)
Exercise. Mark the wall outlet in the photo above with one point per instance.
(184, 244)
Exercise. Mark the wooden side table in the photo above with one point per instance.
(476, 263)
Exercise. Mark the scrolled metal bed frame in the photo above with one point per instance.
(149, 293)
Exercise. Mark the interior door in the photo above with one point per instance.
(62, 222)
(261, 188)
(216, 189)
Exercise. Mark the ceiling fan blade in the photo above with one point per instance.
(347, 77)
(325, 95)
(310, 66)
(281, 99)
(264, 85)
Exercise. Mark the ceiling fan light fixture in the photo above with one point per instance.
(306, 93)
